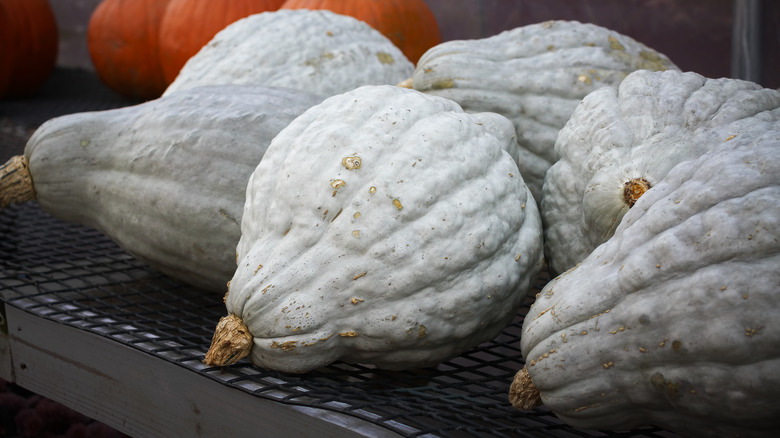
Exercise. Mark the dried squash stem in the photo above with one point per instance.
(634, 189)
(16, 186)
(406, 83)
(231, 342)
(522, 393)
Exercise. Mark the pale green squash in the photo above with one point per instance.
(165, 179)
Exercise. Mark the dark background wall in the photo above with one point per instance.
(695, 34)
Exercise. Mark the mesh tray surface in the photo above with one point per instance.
(78, 277)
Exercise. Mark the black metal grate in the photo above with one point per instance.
(76, 276)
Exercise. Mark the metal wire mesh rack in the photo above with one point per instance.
(77, 277)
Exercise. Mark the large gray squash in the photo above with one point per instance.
(384, 226)
(313, 50)
(165, 179)
(534, 75)
(675, 320)
(621, 142)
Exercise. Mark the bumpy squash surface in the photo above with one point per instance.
(383, 226)
(535, 75)
(316, 51)
(675, 320)
(621, 142)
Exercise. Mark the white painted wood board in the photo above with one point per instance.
(145, 396)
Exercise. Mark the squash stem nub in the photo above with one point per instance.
(406, 83)
(231, 342)
(16, 186)
(522, 393)
(634, 189)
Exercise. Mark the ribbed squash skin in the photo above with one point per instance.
(653, 121)
(423, 250)
(316, 51)
(165, 179)
(674, 321)
(534, 75)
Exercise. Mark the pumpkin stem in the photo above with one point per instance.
(231, 342)
(522, 393)
(16, 184)
(634, 189)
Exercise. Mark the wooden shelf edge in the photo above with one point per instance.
(143, 395)
(6, 368)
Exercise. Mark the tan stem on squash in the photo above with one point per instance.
(16, 186)
(634, 189)
(522, 393)
(231, 342)
(406, 83)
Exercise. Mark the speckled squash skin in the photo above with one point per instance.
(316, 51)
(534, 75)
(165, 179)
(384, 227)
(652, 122)
(674, 321)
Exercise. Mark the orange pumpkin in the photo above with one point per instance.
(28, 46)
(123, 42)
(409, 24)
(190, 24)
